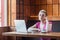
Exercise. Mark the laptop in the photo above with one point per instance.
(20, 25)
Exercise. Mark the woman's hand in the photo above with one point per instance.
(33, 30)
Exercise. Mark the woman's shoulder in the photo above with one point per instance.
(37, 22)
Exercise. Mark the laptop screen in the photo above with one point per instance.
(20, 25)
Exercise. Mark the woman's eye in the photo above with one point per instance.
(42, 15)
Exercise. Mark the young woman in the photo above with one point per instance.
(43, 26)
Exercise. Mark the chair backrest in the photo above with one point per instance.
(30, 23)
(56, 26)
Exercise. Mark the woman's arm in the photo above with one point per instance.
(33, 28)
(50, 27)
(30, 28)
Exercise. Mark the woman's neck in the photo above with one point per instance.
(44, 21)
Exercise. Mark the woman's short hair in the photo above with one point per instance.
(42, 11)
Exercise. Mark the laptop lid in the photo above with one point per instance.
(20, 25)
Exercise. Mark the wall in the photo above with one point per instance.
(31, 8)
(3, 13)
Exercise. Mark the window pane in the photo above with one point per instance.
(0, 8)
(0, 22)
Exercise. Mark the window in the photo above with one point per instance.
(3, 13)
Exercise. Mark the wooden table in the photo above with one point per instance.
(50, 34)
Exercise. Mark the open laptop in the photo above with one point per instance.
(20, 25)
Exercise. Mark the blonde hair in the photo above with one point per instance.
(42, 12)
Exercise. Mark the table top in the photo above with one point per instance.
(50, 34)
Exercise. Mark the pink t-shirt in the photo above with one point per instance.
(38, 26)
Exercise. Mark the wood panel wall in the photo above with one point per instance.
(31, 8)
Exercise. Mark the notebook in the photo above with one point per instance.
(20, 25)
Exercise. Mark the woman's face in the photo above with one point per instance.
(43, 17)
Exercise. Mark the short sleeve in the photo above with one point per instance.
(37, 24)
